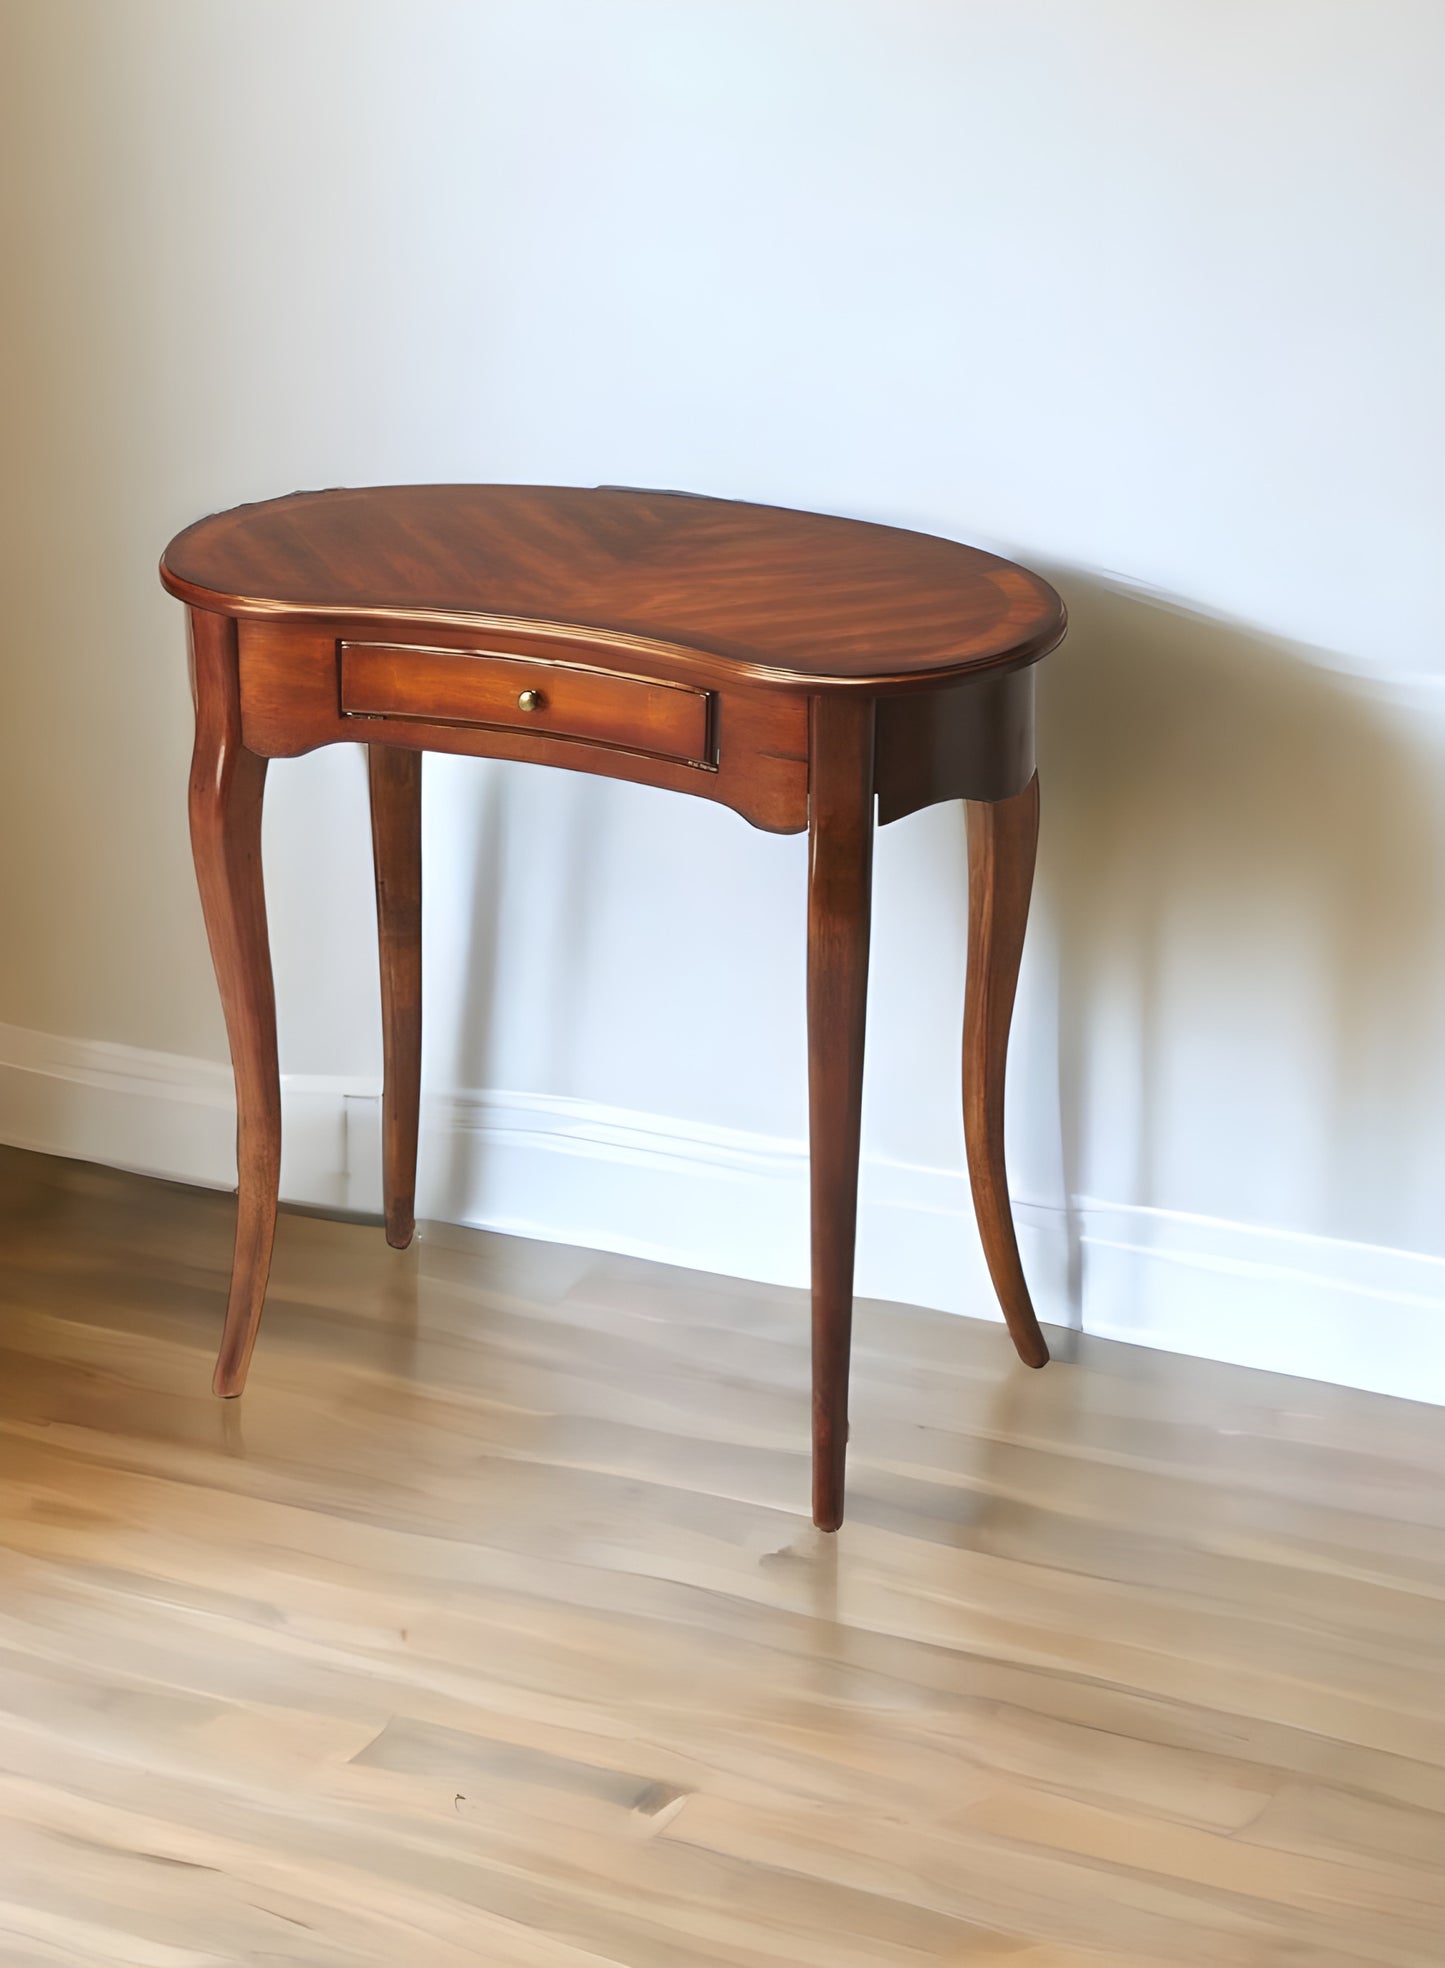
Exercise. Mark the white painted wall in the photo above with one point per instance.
(1151, 296)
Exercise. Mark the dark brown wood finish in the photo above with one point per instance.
(227, 784)
(1002, 842)
(291, 703)
(396, 851)
(840, 907)
(975, 741)
(795, 667)
(705, 585)
(564, 700)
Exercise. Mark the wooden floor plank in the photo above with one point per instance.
(489, 1627)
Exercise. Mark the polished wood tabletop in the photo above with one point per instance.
(810, 672)
(782, 596)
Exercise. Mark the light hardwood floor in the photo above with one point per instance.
(489, 1626)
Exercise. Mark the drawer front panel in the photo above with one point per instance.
(756, 743)
(558, 700)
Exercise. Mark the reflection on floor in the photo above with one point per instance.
(489, 1628)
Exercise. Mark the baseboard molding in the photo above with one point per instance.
(718, 1199)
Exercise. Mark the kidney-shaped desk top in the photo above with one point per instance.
(804, 670)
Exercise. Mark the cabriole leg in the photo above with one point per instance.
(227, 783)
(1002, 841)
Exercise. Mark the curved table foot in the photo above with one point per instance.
(226, 787)
(1002, 841)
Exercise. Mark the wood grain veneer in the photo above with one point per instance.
(807, 671)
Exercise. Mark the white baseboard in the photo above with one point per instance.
(717, 1199)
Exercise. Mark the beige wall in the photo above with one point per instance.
(1150, 295)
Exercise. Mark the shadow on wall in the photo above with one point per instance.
(561, 915)
(1242, 863)
(1237, 960)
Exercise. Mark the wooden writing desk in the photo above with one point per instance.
(797, 668)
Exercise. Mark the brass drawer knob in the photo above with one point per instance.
(530, 700)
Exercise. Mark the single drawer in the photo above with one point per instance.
(560, 700)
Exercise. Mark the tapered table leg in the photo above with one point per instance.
(840, 881)
(1002, 841)
(396, 848)
(226, 787)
